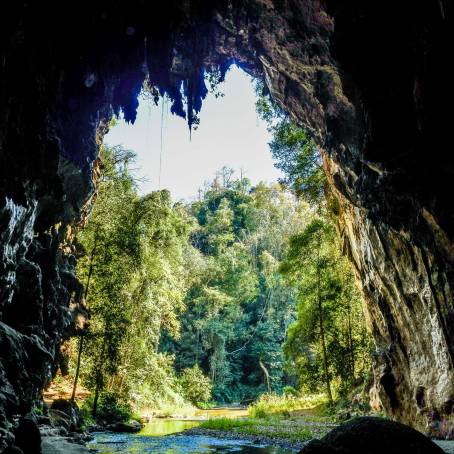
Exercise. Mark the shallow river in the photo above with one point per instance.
(166, 437)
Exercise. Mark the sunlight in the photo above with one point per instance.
(230, 134)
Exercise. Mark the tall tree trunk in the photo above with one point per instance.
(321, 326)
(94, 409)
(79, 355)
(267, 375)
(351, 344)
(81, 340)
(99, 376)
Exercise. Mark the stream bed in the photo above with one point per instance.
(167, 437)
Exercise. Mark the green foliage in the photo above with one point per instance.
(327, 347)
(132, 265)
(328, 344)
(290, 391)
(297, 156)
(113, 409)
(274, 404)
(238, 305)
(294, 152)
(271, 428)
(195, 386)
(226, 424)
(212, 299)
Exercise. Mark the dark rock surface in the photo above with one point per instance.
(368, 79)
(372, 436)
(62, 445)
(28, 437)
(128, 427)
(65, 413)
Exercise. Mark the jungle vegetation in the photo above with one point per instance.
(241, 293)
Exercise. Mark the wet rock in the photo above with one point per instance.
(60, 419)
(60, 445)
(43, 420)
(372, 436)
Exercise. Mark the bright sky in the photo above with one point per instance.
(230, 134)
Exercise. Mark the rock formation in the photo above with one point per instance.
(372, 436)
(367, 79)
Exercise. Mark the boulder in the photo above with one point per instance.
(65, 413)
(369, 435)
(130, 427)
(43, 420)
(27, 437)
(60, 419)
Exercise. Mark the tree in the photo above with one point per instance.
(196, 387)
(309, 263)
(293, 151)
(322, 346)
(238, 305)
(134, 269)
(327, 346)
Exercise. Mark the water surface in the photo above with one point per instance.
(160, 427)
(154, 438)
(109, 443)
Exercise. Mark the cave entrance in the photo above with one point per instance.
(230, 134)
(234, 287)
(374, 101)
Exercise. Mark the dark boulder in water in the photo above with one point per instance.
(129, 427)
(370, 435)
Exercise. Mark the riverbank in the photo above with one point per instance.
(264, 433)
(256, 439)
(290, 433)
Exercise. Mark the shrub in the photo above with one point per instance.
(290, 391)
(227, 424)
(272, 404)
(206, 405)
(111, 409)
(195, 386)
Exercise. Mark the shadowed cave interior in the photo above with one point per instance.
(367, 79)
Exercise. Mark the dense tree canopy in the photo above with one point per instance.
(238, 307)
(327, 346)
(241, 292)
(133, 266)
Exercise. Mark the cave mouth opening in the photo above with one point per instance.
(375, 121)
(243, 224)
(227, 133)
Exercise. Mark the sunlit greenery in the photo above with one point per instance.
(238, 306)
(274, 404)
(241, 296)
(269, 427)
(132, 265)
(328, 346)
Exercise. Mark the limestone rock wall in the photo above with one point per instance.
(396, 215)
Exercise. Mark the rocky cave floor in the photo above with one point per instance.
(55, 441)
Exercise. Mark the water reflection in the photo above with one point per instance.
(109, 443)
(160, 427)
